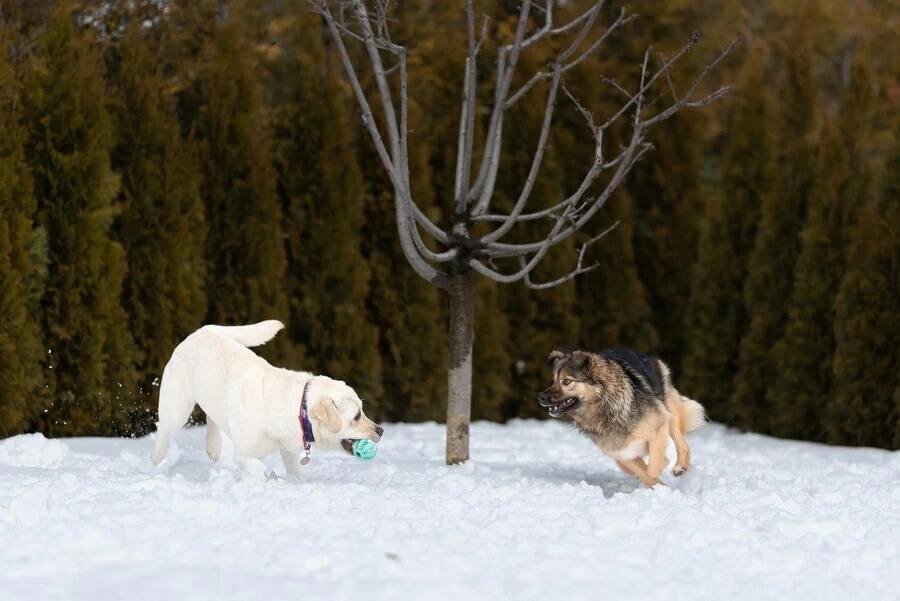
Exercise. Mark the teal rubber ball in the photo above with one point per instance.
(364, 449)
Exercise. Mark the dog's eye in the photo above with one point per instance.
(566, 382)
(358, 415)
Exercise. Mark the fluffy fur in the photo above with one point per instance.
(626, 403)
(255, 404)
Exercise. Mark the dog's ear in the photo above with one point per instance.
(581, 361)
(554, 357)
(327, 414)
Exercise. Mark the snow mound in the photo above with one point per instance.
(32, 450)
(537, 514)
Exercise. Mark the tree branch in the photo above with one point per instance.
(527, 266)
(404, 207)
(484, 184)
(579, 269)
(687, 99)
(635, 150)
(536, 162)
(545, 75)
(507, 58)
(467, 118)
(472, 199)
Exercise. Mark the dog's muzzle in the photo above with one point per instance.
(558, 408)
(347, 443)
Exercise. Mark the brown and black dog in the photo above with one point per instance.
(625, 401)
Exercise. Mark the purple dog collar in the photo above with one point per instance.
(306, 430)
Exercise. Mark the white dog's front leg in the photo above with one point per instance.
(213, 440)
(291, 463)
(250, 466)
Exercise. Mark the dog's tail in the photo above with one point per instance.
(250, 335)
(693, 412)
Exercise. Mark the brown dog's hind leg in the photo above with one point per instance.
(677, 428)
(638, 468)
(657, 448)
(625, 468)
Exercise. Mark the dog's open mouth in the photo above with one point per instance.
(347, 445)
(563, 406)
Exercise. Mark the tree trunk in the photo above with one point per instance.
(459, 387)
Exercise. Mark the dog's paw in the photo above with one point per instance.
(678, 470)
(162, 449)
(214, 452)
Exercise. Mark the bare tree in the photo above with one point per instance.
(456, 254)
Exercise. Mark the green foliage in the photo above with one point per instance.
(20, 344)
(84, 323)
(667, 199)
(412, 327)
(612, 301)
(716, 318)
(223, 108)
(493, 360)
(322, 189)
(862, 409)
(803, 356)
(665, 192)
(411, 314)
(536, 321)
(771, 262)
(212, 169)
(411, 320)
(162, 225)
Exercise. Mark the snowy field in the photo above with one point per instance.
(538, 514)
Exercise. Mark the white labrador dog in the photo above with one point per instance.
(262, 408)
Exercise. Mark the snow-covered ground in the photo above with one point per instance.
(537, 514)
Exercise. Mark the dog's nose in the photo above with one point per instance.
(379, 431)
(542, 398)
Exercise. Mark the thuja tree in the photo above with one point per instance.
(716, 319)
(476, 241)
(162, 225)
(91, 353)
(22, 248)
(862, 410)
